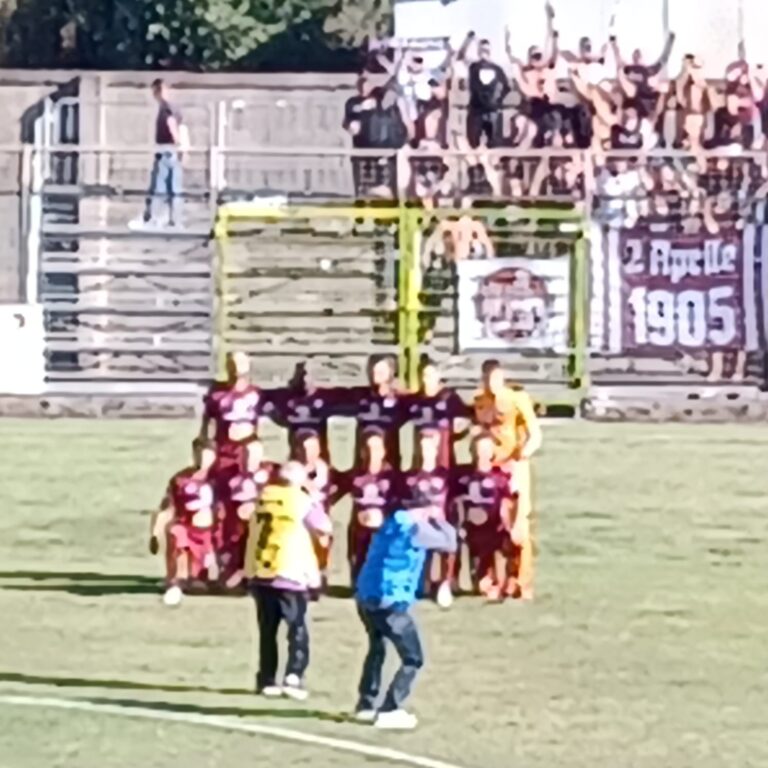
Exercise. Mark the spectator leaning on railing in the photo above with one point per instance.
(373, 119)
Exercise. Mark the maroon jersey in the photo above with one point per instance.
(192, 499)
(438, 411)
(386, 413)
(247, 486)
(426, 489)
(321, 484)
(483, 496)
(370, 491)
(298, 411)
(243, 488)
(235, 414)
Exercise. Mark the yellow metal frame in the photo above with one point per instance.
(410, 222)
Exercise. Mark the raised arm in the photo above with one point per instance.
(508, 47)
(665, 54)
(551, 47)
(614, 43)
(461, 54)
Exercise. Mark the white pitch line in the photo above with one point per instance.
(228, 724)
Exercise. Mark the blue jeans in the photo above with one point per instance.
(399, 628)
(165, 184)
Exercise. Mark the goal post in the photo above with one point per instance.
(358, 273)
(326, 280)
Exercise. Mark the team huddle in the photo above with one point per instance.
(205, 516)
(234, 518)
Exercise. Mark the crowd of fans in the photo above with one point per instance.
(594, 124)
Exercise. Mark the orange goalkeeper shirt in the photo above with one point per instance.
(511, 419)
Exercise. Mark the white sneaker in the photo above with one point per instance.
(293, 689)
(365, 716)
(173, 596)
(399, 720)
(444, 595)
(271, 691)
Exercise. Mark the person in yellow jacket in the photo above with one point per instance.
(509, 415)
(281, 566)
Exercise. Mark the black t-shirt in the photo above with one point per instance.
(163, 133)
(646, 97)
(488, 85)
(357, 109)
(621, 138)
(380, 127)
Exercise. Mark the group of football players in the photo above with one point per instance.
(203, 521)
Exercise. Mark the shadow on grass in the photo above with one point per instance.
(164, 706)
(231, 711)
(90, 584)
(115, 685)
(81, 583)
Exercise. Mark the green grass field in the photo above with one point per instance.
(646, 646)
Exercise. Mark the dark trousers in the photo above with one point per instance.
(488, 124)
(400, 629)
(272, 607)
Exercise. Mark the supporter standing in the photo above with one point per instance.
(374, 121)
(488, 87)
(172, 139)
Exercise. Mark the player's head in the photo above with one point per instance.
(294, 474)
(429, 444)
(374, 447)
(203, 454)
(429, 375)
(585, 46)
(484, 49)
(381, 370)
(307, 446)
(300, 379)
(160, 89)
(238, 366)
(254, 454)
(483, 448)
(637, 57)
(493, 376)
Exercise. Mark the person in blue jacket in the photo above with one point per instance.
(386, 589)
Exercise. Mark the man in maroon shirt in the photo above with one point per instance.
(302, 406)
(430, 483)
(435, 405)
(186, 518)
(485, 505)
(372, 489)
(236, 506)
(233, 408)
(380, 405)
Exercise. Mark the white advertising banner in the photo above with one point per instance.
(509, 304)
(22, 345)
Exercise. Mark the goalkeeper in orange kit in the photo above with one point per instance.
(508, 414)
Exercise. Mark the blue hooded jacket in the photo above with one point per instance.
(392, 570)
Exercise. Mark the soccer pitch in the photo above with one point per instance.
(646, 645)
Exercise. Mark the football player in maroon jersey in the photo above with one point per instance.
(303, 406)
(435, 405)
(372, 489)
(233, 408)
(307, 450)
(486, 506)
(380, 404)
(236, 506)
(186, 518)
(431, 484)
